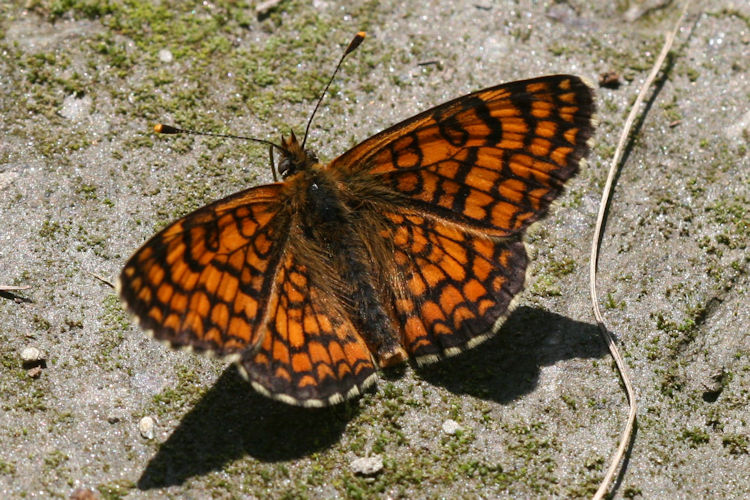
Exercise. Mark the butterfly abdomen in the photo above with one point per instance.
(328, 224)
(369, 314)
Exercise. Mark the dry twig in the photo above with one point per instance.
(622, 369)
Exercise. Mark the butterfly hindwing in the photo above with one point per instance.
(311, 354)
(453, 288)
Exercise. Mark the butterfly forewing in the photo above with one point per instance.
(492, 160)
(204, 281)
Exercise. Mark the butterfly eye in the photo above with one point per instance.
(286, 167)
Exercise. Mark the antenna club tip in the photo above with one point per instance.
(358, 38)
(161, 128)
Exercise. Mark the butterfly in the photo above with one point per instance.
(409, 245)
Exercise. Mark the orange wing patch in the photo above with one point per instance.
(457, 287)
(493, 160)
(204, 281)
(311, 354)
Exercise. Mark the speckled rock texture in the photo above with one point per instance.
(539, 408)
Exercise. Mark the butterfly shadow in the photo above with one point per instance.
(18, 299)
(231, 421)
(507, 366)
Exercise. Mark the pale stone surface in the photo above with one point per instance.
(540, 404)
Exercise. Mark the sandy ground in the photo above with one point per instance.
(83, 183)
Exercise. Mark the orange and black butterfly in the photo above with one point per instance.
(408, 245)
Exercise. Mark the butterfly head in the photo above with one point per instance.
(294, 158)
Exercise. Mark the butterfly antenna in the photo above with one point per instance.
(351, 48)
(161, 128)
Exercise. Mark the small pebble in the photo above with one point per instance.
(84, 494)
(367, 466)
(451, 427)
(610, 80)
(146, 427)
(75, 107)
(31, 355)
(265, 8)
(165, 56)
(34, 372)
